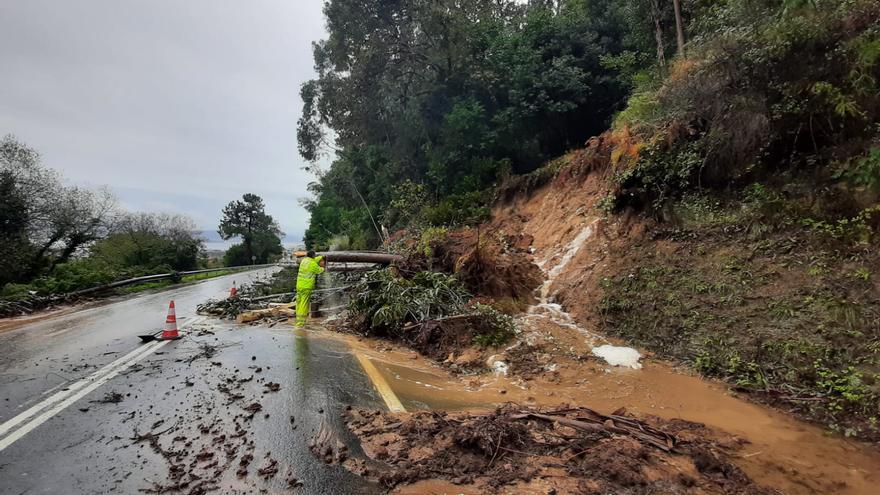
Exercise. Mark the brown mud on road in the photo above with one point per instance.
(777, 451)
(516, 450)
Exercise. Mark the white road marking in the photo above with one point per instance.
(42, 418)
(59, 396)
(76, 391)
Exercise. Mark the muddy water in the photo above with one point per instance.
(782, 452)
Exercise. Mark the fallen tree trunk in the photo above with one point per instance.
(249, 316)
(360, 257)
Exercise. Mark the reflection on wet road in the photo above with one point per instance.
(188, 414)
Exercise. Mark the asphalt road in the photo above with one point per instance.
(86, 408)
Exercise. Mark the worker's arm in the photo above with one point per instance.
(321, 264)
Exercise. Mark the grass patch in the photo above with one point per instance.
(195, 277)
(134, 289)
(778, 314)
(161, 284)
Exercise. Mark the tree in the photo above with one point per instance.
(451, 94)
(679, 28)
(44, 222)
(13, 228)
(258, 231)
(150, 243)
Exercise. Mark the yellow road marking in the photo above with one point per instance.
(381, 385)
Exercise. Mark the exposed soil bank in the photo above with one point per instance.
(779, 309)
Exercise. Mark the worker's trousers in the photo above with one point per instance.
(303, 299)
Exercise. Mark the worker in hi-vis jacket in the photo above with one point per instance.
(309, 269)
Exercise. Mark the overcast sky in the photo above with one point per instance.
(177, 105)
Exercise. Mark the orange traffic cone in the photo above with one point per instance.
(170, 331)
(233, 291)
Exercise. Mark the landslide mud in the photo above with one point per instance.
(523, 450)
(779, 451)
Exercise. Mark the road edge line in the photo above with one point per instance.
(380, 384)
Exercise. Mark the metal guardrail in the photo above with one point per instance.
(161, 276)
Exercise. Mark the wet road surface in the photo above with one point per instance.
(87, 409)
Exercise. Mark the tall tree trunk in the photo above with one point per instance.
(658, 32)
(249, 244)
(679, 29)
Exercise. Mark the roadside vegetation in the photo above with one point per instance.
(430, 105)
(58, 239)
(758, 155)
(432, 312)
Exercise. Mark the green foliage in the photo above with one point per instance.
(767, 85)
(751, 318)
(460, 209)
(408, 200)
(44, 223)
(148, 252)
(76, 275)
(702, 210)
(862, 171)
(431, 237)
(855, 230)
(607, 203)
(842, 104)
(57, 239)
(257, 229)
(388, 301)
(432, 104)
(494, 327)
(663, 172)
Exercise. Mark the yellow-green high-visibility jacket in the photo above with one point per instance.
(309, 269)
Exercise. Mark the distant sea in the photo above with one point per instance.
(212, 243)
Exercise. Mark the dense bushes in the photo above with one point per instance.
(765, 88)
(389, 301)
(426, 309)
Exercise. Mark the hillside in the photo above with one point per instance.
(715, 202)
(786, 313)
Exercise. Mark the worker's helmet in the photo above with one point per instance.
(310, 253)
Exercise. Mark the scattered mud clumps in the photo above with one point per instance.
(524, 361)
(438, 339)
(109, 398)
(566, 450)
(327, 446)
